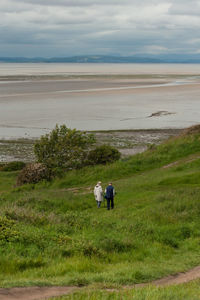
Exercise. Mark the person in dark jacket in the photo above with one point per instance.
(109, 195)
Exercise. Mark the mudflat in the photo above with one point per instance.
(32, 101)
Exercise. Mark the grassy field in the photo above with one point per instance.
(53, 234)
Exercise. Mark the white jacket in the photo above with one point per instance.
(98, 193)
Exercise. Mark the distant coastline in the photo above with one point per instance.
(102, 59)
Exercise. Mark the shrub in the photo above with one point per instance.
(7, 230)
(103, 154)
(63, 148)
(13, 166)
(33, 173)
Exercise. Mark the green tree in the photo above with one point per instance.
(63, 148)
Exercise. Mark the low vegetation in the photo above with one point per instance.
(12, 166)
(103, 155)
(51, 233)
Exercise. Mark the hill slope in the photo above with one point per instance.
(185, 59)
(54, 234)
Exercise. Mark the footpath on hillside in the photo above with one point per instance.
(39, 293)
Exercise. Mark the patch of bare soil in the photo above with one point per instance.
(39, 293)
(34, 293)
(79, 190)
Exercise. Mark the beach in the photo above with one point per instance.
(33, 100)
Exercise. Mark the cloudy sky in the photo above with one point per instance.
(77, 27)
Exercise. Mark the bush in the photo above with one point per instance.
(7, 230)
(103, 154)
(63, 148)
(33, 173)
(13, 166)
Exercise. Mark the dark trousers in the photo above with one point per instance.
(110, 202)
(98, 204)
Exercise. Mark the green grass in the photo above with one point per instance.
(190, 291)
(7, 181)
(50, 235)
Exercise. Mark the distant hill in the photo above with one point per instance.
(100, 59)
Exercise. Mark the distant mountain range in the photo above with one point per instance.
(103, 59)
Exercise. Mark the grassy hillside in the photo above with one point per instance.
(52, 233)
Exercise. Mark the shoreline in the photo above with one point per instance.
(128, 142)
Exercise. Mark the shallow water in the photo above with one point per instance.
(32, 107)
(86, 69)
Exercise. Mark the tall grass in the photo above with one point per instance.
(52, 235)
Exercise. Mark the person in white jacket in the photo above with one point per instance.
(98, 193)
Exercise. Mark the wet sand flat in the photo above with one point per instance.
(33, 113)
(30, 87)
(32, 106)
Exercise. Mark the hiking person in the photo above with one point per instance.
(109, 195)
(98, 193)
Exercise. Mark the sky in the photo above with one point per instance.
(61, 28)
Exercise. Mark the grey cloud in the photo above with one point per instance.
(189, 9)
(66, 27)
(75, 3)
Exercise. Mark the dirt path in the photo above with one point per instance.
(34, 293)
(179, 278)
(39, 293)
(190, 159)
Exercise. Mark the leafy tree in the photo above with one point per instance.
(103, 154)
(63, 148)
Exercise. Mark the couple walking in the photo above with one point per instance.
(109, 195)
